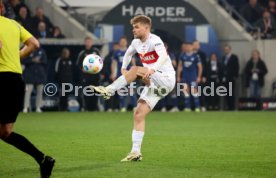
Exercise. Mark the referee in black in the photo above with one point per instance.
(13, 87)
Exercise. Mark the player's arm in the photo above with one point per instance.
(161, 51)
(127, 58)
(30, 46)
(30, 42)
(179, 71)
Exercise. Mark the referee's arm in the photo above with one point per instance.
(30, 46)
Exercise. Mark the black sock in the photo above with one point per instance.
(25, 145)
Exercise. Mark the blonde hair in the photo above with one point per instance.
(141, 19)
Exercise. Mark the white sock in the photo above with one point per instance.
(117, 84)
(137, 138)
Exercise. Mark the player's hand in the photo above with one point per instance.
(123, 71)
(148, 74)
(198, 80)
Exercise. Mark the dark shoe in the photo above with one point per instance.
(46, 167)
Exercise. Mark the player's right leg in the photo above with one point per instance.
(147, 101)
(123, 80)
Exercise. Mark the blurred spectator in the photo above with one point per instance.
(255, 71)
(116, 66)
(57, 32)
(35, 75)
(252, 11)
(24, 19)
(88, 102)
(42, 31)
(230, 73)
(267, 26)
(40, 17)
(213, 74)
(106, 72)
(64, 74)
(10, 8)
(189, 73)
(203, 59)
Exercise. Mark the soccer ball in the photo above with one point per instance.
(92, 64)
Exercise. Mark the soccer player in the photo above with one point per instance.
(203, 59)
(157, 72)
(13, 88)
(189, 72)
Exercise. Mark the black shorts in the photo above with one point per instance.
(12, 92)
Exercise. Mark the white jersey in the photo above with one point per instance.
(148, 52)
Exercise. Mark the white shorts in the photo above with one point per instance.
(161, 85)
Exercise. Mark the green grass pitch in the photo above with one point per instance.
(88, 145)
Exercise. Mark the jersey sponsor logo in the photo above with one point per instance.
(149, 57)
